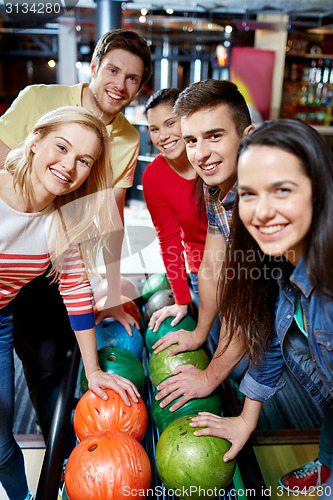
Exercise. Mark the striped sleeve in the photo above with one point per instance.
(76, 292)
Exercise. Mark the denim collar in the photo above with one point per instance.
(300, 278)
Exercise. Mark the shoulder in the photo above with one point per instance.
(50, 90)
(122, 127)
(155, 169)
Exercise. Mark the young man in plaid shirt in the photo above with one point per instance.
(214, 120)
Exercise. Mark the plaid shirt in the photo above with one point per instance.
(219, 212)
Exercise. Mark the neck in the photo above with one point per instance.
(12, 195)
(227, 185)
(182, 166)
(89, 102)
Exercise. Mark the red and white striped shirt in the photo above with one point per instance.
(25, 254)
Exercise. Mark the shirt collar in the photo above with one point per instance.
(230, 197)
(300, 278)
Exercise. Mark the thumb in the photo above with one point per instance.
(231, 453)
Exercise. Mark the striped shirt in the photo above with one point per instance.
(219, 210)
(25, 254)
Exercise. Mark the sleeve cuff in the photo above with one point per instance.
(82, 321)
(259, 392)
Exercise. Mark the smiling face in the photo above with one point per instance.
(115, 83)
(165, 131)
(62, 161)
(212, 143)
(275, 200)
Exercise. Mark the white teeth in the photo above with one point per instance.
(170, 145)
(209, 167)
(114, 96)
(271, 229)
(58, 174)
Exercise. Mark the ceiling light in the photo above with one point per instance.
(144, 12)
(169, 11)
(142, 19)
(228, 28)
(51, 63)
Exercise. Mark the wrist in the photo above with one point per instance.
(201, 333)
(183, 306)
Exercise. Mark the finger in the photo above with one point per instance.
(159, 321)
(179, 403)
(166, 392)
(127, 327)
(176, 320)
(162, 344)
(99, 392)
(175, 350)
(172, 397)
(168, 384)
(181, 369)
(123, 394)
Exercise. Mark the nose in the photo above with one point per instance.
(120, 82)
(264, 209)
(68, 163)
(164, 134)
(202, 151)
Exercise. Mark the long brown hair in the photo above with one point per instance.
(248, 284)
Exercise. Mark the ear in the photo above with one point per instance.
(248, 129)
(33, 146)
(93, 69)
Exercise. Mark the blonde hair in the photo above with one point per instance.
(81, 218)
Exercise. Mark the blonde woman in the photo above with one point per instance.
(53, 191)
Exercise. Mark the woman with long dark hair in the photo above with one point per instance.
(277, 282)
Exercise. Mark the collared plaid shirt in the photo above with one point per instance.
(219, 212)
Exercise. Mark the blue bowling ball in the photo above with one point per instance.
(110, 332)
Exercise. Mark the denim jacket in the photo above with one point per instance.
(310, 359)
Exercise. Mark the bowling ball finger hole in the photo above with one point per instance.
(112, 358)
(93, 447)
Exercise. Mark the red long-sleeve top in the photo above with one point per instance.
(173, 209)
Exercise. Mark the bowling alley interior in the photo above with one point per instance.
(280, 55)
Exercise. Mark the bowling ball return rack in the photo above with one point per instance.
(247, 482)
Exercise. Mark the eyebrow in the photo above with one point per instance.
(274, 185)
(70, 144)
(207, 132)
(172, 117)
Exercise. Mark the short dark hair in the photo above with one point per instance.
(163, 96)
(210, 93)
(126, 40)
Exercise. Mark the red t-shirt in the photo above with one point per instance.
(173, 209)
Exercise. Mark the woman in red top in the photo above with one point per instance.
(169, 187)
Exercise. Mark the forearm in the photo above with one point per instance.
(221, 365)
(208, 308)
(112, 253)
(208, 278)
(251, 412)
(112, 258)
(86, 340)
(174, 263)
